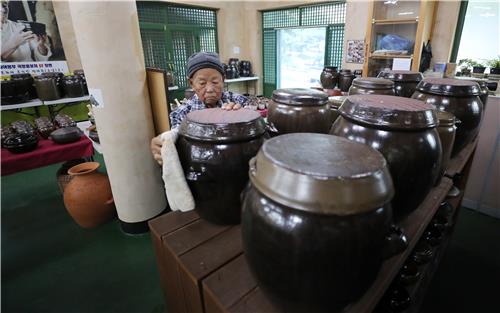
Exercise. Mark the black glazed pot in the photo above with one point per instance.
(396, 299)
(459, 97)
(73, 86)
(58, 76)
(214, 148)
(82, 77)
(371, 86)
(483, 85)
(405, 82)
(329, 77)
(404, 131)
(27, 82)
(345, 80)
(14, 92)
(66, 135)
(245, 68)
(44, 126)
(409, 273)
(21, 143)
(422, 253)
(299, 110)
(47, 88)
(319, 250)
(446, 130)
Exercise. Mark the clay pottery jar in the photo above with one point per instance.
(245, 68)
(404, 130)
(73, 86)
(214, 148)
(409, 273)
(59, 80)
(81, 74)
(13, 92)
(345, 80)
(46, 88)
(459, 97)
(316, 220)
(44, 126)
(88, 196)
(405, 82)
(329, 77)
(422, 253)
(446, 130)
(27, 82)
(396, 299)
(233, 61)
(299, 110)
(371, 86)
(483, 85)
(21, 142)
(335, 103)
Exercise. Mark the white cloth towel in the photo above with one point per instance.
(176, 188)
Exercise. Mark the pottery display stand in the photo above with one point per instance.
(203, 269)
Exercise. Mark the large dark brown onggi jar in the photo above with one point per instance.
(329, 77)
(405, 82)
(371, 86)
(483, 85)
(46, 88)
(214, 148)
(73, 86)
(459, 97)
(345, 79)
(299, 110)
(404, 130)
(335, 103)
(446, 130)
(315, 219)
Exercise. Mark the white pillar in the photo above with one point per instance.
(109, 43)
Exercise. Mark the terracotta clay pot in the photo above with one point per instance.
(88, 196)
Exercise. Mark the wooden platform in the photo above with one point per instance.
(203, 268)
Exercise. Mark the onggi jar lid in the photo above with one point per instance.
(221, 125)
(373, 83)
(322, 174)
(389, 112)
(401, 76)
(449, 87)
(300, 96)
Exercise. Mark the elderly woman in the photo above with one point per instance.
(206, 78)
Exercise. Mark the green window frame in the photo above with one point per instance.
(458, 31)
(330, 15)
(170, 33)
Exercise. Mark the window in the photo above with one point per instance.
(478, 31)
(171, 33)
(299, 41)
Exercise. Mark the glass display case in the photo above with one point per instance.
(396, 29)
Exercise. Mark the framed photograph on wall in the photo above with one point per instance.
(355, 51)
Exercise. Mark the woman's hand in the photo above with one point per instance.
(41, 44)
(156, 149)
(231, 106)
(15, 41)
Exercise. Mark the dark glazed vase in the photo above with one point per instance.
(299, 110)
(483, 85)
(371, 86)
(317, 251)
(405, 82)
(329, 77)
(46, 88)
(404, 131)
(345, 80)
(214, 148)
(459, 97)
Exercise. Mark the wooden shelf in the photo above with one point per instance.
(391, 56)
(458, 162)
(413, 226)
(396, 21)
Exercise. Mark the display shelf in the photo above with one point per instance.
(173, 88)
(458, 162)
(66, 100)
(413, 226)
(29, 104)
(396, 21)
(391, 56)
(241, 79)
